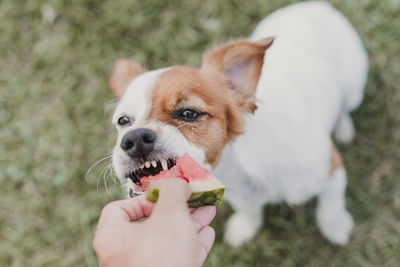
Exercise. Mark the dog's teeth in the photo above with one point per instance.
(141, 166)
(164, 164)
(154, 163)
(147, 164)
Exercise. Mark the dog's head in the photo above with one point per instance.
(166, 113)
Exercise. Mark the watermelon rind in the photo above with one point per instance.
(204, 193)
(213, 197)
(197, 199)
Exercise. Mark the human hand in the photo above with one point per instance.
(173, 235)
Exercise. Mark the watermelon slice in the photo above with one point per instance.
(206, 189)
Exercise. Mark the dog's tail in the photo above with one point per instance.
(353, 67)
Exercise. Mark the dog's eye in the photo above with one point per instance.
(123, 120)
(188, 115)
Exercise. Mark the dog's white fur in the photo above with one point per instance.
(312, 78)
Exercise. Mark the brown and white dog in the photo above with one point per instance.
(259, 113)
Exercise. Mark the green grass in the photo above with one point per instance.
(53, 127)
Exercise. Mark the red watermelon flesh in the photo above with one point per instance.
(185, 167)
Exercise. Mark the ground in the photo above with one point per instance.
(55, 110)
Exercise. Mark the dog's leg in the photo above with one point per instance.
(344, 131)
(334, 221)
(242, 226)
(246, 195)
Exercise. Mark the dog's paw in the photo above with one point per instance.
(344, 131)
(240, 229)
(336, 227)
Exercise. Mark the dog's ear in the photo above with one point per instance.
(124, 72)
(241, 61)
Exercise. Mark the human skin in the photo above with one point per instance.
(172, 235)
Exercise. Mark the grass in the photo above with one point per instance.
(55, 59)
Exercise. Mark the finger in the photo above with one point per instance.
(203, 216)
(128, 210)
(174, 193)
(206, 239)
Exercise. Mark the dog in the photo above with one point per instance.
(259, 113)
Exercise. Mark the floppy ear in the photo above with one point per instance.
(241, 61)
(124, 72)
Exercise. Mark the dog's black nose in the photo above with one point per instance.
(138, 143)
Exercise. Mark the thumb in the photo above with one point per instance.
(172, 198)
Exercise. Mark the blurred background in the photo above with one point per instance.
(55, 110)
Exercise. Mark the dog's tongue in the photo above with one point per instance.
(136, 190)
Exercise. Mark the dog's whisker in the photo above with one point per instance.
(103, 175)
(97, 185)
(112, 174)
(111, 105)
(100, 175)
(183, 124)
(105, 179)
(192, 127)
(94, 165)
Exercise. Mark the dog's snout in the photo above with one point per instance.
(139, 143)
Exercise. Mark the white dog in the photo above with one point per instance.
(259, 113)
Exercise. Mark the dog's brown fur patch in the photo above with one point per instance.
(223, 88)
(124, 72)
(186, 87)
(336, 160)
